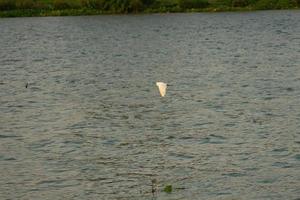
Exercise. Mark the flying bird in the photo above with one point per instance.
(162, 88)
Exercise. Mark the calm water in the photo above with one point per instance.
(91, 124)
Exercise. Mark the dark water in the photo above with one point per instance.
(91, 124)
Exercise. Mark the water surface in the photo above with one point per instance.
(91, 124)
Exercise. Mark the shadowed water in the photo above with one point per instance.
(91, 123)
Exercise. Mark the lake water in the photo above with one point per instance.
(91, 123)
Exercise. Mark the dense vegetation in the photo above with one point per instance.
(79, 7)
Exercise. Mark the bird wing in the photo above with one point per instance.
(162, 88)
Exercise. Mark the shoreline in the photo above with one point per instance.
(88, 12)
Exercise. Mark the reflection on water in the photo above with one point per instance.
(91, 124)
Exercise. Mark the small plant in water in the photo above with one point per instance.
(168, 188)
(154, 187)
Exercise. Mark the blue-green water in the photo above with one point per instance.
(91, 124)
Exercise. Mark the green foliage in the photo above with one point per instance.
(285, 4)
(96, 4)
(221, 3)
(77, 7)
(168, 189)
(265, 4)
(60, 4)
(275, 4)
(41, 5)
(240, 3)
(252, 2)
(136, 5)
(7, 4)
(189, 4)
(148, 2)
(119, 6)
(24, 4)
(66, 4)
(116, 6)
(165, 4)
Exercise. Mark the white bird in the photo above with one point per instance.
(162, 88)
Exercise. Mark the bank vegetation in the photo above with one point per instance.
(14, 8)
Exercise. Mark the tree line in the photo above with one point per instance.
(135, 6)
